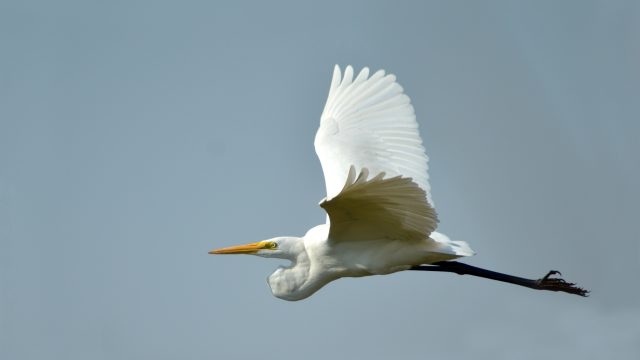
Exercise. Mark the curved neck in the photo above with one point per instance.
(294, 281)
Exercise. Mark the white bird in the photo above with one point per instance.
(381, 218)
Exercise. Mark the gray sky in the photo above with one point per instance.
(136, 136)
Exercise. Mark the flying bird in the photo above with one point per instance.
(380, 216)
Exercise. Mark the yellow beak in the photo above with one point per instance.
(241, 249)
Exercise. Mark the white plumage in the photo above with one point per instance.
(380, 214)
(369, 123)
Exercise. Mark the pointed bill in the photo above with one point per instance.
(241, 249)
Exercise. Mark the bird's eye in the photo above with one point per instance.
(273, 246)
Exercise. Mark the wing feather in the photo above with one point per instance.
(368, 126)
(368, 122)
(378, 208)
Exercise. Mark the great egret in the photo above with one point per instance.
(381, 218)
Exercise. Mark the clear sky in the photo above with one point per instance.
(137, 135)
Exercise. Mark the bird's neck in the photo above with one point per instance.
(294, 282)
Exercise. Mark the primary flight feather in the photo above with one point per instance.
(380, 216)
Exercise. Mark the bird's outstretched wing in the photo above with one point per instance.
(378, 208)
(368, 122)
(367, 127)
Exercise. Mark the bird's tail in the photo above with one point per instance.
(450, 247)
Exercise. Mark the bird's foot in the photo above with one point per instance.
(558, 284)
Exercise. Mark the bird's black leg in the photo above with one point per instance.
(546, 283)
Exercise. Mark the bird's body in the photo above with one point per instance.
(381, 217)
(318, 260)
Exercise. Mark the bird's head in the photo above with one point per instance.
(279, 247)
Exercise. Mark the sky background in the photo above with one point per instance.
(135, 136)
